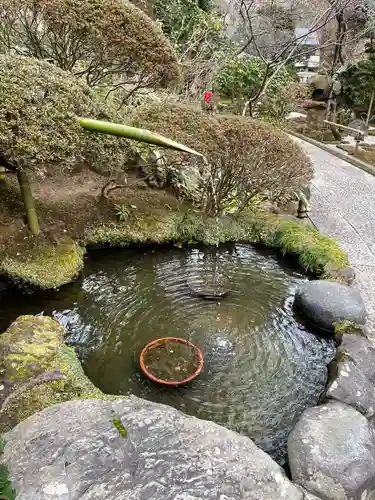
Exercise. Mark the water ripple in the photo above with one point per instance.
(262, 368)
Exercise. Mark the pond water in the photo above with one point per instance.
(262, 366)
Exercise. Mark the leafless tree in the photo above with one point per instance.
(268, 33)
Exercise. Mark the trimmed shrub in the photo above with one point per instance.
(245, 158)
(110, 42)
(39, 106)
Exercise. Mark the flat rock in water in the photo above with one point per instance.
(74, 451)
(209, 287)
(325, 303)
(331, 453)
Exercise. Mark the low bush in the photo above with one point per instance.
(245, 158)
(107, 43)
(39, 106)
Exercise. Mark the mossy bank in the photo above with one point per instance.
(37, 370)
(47, 265)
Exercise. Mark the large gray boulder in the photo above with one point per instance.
(325, 303)
(352, 374)
(132, 449)
(331, 453)
(351, 386)
(361, 351)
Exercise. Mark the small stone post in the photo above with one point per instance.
(302, 210)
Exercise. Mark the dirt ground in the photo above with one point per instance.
(67, 205)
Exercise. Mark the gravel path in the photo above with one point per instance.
(343, 206)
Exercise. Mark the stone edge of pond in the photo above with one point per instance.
(46, 265)
(331, 449)
(39, 371)
(326, 447)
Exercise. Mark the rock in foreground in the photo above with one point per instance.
(332, 453)
(353, 374)
(139, 450)
(325, 303)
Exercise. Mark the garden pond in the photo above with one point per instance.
(263, 366)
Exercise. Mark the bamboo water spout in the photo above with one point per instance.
(133, 133)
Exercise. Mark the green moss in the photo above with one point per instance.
(119, 426)
(7, 492)
(44, 265)
(42, 369)
(146, 228)
(317, 253)
(48, 266)
(32, 347)
(348, 328)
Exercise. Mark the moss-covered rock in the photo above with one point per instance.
(43, 264)
(317, 253)
(37, 370)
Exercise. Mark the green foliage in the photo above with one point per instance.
(119, 426)
(123, 212)
(105, 42)
(39, 105)
(7, 492)
(199, 36)
(276, 105)
(358, 82)
(245, 158)
(186, 21)
(243, 77)
(240, 76)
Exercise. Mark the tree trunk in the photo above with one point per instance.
(368, 118)
(28, 201)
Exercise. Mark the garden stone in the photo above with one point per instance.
(345, 275)
(358, 125)
(352, 387)
(307, 495)
(325, 303)
(135, 449)
(361, 351)
(331, 453)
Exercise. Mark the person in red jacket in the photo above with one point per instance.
(209, 101)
